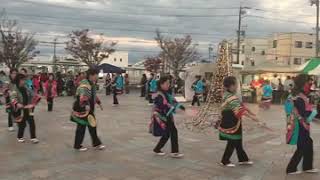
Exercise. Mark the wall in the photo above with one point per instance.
(119, 59)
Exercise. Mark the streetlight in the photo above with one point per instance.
(316, 2)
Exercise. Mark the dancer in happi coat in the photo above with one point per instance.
(230, 127)
(84, 111)
(118, 85)
(152, 88)
(7, 91)
(300, 114)
(266, 95)
(23, 102)
(50, 91)
(162, 122)
(198, 87)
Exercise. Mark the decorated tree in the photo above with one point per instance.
(89, 49)
(209, 113)
(153, 64)
(177, 52)
(16, 46)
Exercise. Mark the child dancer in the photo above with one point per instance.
(50, 91)
(300, 113)
(266, 95)
(83, 111)
(198, 88)
(162, 120)
(231, 125)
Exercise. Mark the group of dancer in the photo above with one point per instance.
(21, 102)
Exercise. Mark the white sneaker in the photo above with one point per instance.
(34, 141)
(100, 147)
(231, 165)
(11, 129)
(160, 153)
(246, 163)
(312, 171)
(295, 173)
(150, 104)
(176, 155)
(21, 140)
(83, 149)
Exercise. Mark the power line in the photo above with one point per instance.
(278, 19)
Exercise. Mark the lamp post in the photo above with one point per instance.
(242, 11)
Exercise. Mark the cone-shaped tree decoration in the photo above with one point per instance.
(210, 112)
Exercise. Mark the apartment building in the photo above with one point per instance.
(292, 49)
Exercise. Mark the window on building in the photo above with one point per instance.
(120, 59)
(275, 44)
(115, 59)
(309, 45)
(298, 44)
(263, 52)
(297, 61)
(253, 49)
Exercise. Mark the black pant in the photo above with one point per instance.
(80, 132)
(195, 100)
(10, 122)
(150, 98)
(305, 151)
(108, 90)
(22, 125)
(143, 91)
(50, 103)
(231, 145)
(115, 99)
(171, 132)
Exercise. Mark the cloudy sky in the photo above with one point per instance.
(133, 22)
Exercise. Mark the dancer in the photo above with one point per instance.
(83, 111)
(231, 124)
(7, 91)
(50, 91)
(266, 95)
(300, 114)
(118, 88)
(162, 123)
(152, 88)
(23, 103)
(198, 88)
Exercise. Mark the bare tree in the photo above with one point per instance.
(16, 46)
(177, 52)
(153, 64)
(87, 49)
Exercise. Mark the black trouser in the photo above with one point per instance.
(150, 98)
(195, 100)
(171, 132)
(22, 125)
(143, 91)
(304, 151)
(10, 122)
(80, 132)
(108, 90)
(231, 145)
(115, 99)
(50, 103)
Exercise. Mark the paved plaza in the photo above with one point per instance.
(129, 154)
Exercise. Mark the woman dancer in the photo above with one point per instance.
(50, 91)
(300, 113)
(118, 84)
(231, 124)
(152, 88)
(162, 123)
(198, 88)
(107, 84)
(7, 92)
(23, 102)
(266, 95)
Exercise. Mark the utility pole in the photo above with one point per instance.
(54, 58)
(316, 2)
(239, 34)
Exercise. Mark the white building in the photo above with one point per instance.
(119, 59)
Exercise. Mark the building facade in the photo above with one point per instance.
(119, 59)
(291, 49)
